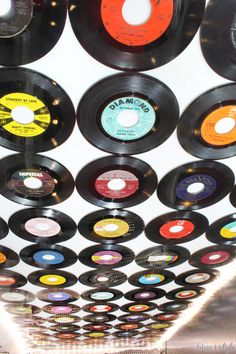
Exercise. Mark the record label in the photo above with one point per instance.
(151, 279)
(102, 296)
(215, 257)
(6, 281)
(138, 308)
(176, 229)
(208, 187)
(100, 308)
(107, 257)
(141, 34)
(58, 296)
(197, 278)
(229, 230)
(3, 258)
(48, 257)
(16, 19)
(13, 297)
(61, 310)
(42, 227)
(111, 228)
(117, 184)
(185, 294)
(128, 118)
(23, 115)
(52, 279)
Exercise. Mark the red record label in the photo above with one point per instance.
(177, 229)
(215, 257)
(5, 280)
(101, 308)
(136, 34)
(138, 308)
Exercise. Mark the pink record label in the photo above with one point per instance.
(215, 257)
(106, 257)
(42, 227)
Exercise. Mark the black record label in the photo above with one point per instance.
(116, 182)
(47, 279)
(8, 258)
(118, 40)
(10, 279)
(195, 185)
(58, 296)
(176, 227)
(223, 230)
(213, 256)
(197, 277)
(128, 114)
(34, 180)
(174, 306)
(211, 131)
(99, 278)
(26, 23)
(111, 226)
(151, 278)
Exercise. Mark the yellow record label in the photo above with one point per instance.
(96, 334)
(111, 228)
(24, 115)
(52, 279)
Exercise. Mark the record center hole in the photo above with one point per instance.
(33, 183)
(233, 229)
(175, 229)
(135, 12)
(6, 6)
(128, 118)
(22, 115)
(111, 227)
(225, 125)
(116, 184)
(196, 188)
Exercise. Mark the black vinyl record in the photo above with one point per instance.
(158, 326)
(22, 309)
(58, 296)
(8, 258)
(101, 295)
(174, 306)
(161, 257)
(218, 43)
(29, 320)
(207, 127)
(144, 294)
(140, 307)
(96, 334)
(104, 256)
(195, 277)
(176, 227)
(29, 30)
(196, 185)
(213, 256)
(42, 225)
(111, 226)
(125, 334)
(102, 277)
(100, 308)
(34, 180)
(222, 231)
(128, 114)
(105, 34)
(11, 280)
(185, 293)
(3, 229)
(47, 279)
(16, 296)
(116, 182)
(151, 278)
(133, 318)
(48, 256)
(165, 317)
(64, 328)
(36, 114)
(128, 326)
(99, 318)
(63, 319)
(233, 197)
(97, 327)
(63, 309)
(66, 335)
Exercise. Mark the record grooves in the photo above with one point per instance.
(11, 280)
(47, 279)
(102, 277)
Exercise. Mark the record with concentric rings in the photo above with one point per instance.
(128, 326)
(66, 335)
(101, 277)
(185, 293)
(158, 326)
(102, 294)
(55, 278)
(64, 328)
(34, 180)
(151, 278)
(8, 257)
(137, 317)
(144, 294)
(63, 319)
(11, 280)
(42, 225)
(196, 185)
(99, 318)
(174, 306)
(100, 308)
(22, 309)
(16, 296)
(97, 327)
(116, 182)
(213, 256)
(142, 306)
(176, 227)
(223, 230)
(195, 277)
(111, 226)
(28, 320)
(62, 309)
(58, 296)
(165, 316)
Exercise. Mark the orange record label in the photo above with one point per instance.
(3, 258)
(208, 127)
(141, 34)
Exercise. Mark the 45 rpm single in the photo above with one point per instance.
(109, 33)
(116, 182)
(144, 306)
(207, 128)
(34, 180)
(29, 30)
(11, 280)
(133, 318)
(99, 318)
(176, 227)
(185, 293)
(48, 256)
(8, 258)
(102, 277)
(151, 278)
(223, 230)
(165, 317)
(63, 309)
(195, 277)
(196, 185)
(58, 296)
(145, 294)
(3, 229)
(111, 226)
(47, 279)
(102, 294)
(174, 306)
(233, 197)
(22, 309)
(16, 296)
(213, 256)
(104, 256)
(128, 114)
(101, 308)
(36, 114)
(218, 43)
(42, 225)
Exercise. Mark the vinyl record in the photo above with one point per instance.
(99, 318)
(47, 279)
(185, 293)
(34, 180)
(213, 256)
(197, 277)
(145, 294)
(109, 33)
(32, 328)
(233, 197)
(128, 326)
(128, 114)
(158, 326)
(3, 229)
(66, 335)
(100, 278)
(96, 334)
(42, 225)
(48, 256)
(125, 334)
(111, 226)
(63, 319)
(116, 182)
(161, 257)
(29, 30)
(8, 258)
(28, 320)
(174, 306)
(218, 43)
(58, 296)
(64, 309)
(139, 307)
(207, 127)
(64, 328)
(16, 296)
(222, 231)
(101, 295)
(130, 318)
(22, 309)
(97, 327)
(112, 256)
(176, 227)
(151, 278)
(163, 317)
(11, 280)
(101, 308)
(195, 185)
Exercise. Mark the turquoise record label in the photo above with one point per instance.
(115, 124)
